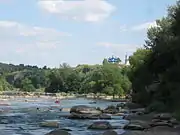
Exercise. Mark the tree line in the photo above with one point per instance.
(107, 78)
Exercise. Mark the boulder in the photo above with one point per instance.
(119, 114)
(137, 125)
(134, 127)
(126, 111)
(100, 125)
(83, 109)
(104, 116)
(52, 124)
(111, 110)
(163, 116)
(110, 132)
(121, 105)
(83, 116)
(84, 112)
(58, 132)
(138, 111)
(173, 121)
(161, 123)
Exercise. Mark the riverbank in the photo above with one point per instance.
(17, 94)
(156, 124)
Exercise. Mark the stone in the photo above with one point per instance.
(84, 112)
(83, 109)
(163, 116)
(53, 124)
(100, 125)
(137, 125)
(93, 102)
(105, 116)
(122, 105)
(174, 121)
(161, 123)
(156, 120)
(66, 129)
(111, 110)
(4, 121)
(83, 116)
(110, 132)
(119, 114)
(58, 132)
(134, 127)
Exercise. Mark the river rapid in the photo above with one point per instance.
(21, 117)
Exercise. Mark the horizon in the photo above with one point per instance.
(52, 32)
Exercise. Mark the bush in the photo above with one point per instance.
(177, 114)
(157, 106)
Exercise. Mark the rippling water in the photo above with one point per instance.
(23, 118)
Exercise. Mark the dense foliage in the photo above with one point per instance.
(156, 67)
(108, 78)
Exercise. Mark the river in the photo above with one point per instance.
(23, 118)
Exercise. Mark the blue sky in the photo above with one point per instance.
(50, 32)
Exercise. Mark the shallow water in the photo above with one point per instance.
(23, 118)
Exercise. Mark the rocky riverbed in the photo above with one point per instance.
(39, 116)
(36, 116)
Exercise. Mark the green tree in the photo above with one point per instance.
(27, 85)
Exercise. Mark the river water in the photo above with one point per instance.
(23, 118)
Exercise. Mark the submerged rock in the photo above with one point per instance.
(105, 116)
(100, 125)
(134, 127)
(58, 132)
(83, 116)
(110, 132)
(53, 124)
(93, 102)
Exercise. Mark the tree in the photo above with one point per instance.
(156, 78)
(56, 83)
(105, 61)
(27, 85)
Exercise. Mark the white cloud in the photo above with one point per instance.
(17, 40)
(120, 47)
(24, 30)
(81, 10)
(144, 26)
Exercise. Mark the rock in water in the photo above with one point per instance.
(137, 125)
(105, 116)
(53, 124)
(83, 109)
(110, 132)
(100, 125)
(111, 110)
(58, 132)
(134, 127)
(84, 112)
(163, 116)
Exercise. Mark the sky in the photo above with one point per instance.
(51, 32)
